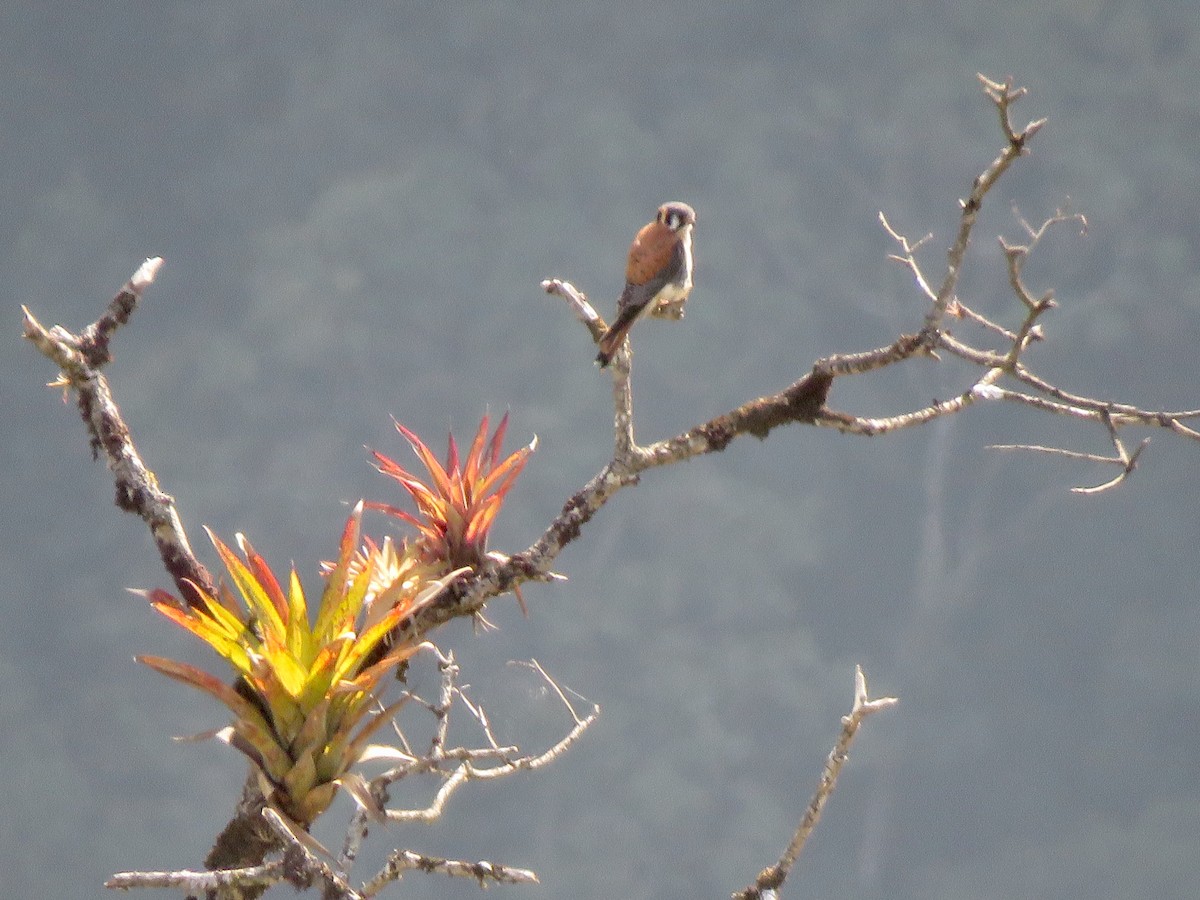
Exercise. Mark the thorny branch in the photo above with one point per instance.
(1005, 376)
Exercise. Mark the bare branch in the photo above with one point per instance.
(578, 303)
(558, 689)
(1003, 96)
(467, 770)
(305, 860)
(448, 670)
(1055, 451)
(469, 764)
(908, 258)
(196, 883)
(484, 872)
(1124, 460)
(772, 878)
(80, 357)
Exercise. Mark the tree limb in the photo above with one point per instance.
(769, 880)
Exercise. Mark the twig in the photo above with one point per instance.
(908, 257)
(578, 302)
(558, 689)
(620, 365)
(1123, 459)
(772, 878)
(305, 860)
(401, 861)
(448, 670)
(196, 883)
(470, 765)
(468, 771)
(1003, 95)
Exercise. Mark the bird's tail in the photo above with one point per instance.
(611, 340)
(610, 343)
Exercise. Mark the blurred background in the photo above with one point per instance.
(356, 203)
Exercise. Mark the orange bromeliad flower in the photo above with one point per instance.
(458, 506)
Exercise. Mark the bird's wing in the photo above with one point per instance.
(633, 302)
(672, 307)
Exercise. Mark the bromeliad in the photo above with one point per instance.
(458, 506)
(305, 702)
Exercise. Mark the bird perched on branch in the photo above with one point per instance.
(658, 277)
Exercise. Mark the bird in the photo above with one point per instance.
(658, 276)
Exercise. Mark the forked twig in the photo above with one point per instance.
(773, 877)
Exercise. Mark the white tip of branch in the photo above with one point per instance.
(880, 703)
(982, 391)
(146, 273)
(863, 705)
(860, 686)
(576, 300)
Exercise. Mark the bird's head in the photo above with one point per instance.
(676, 215)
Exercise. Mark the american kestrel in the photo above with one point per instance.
(658, 277)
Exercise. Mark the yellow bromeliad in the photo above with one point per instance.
(305, 700)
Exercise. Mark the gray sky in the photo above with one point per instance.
(356, 204)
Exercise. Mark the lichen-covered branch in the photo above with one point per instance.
(80, 359)
(197, 883)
